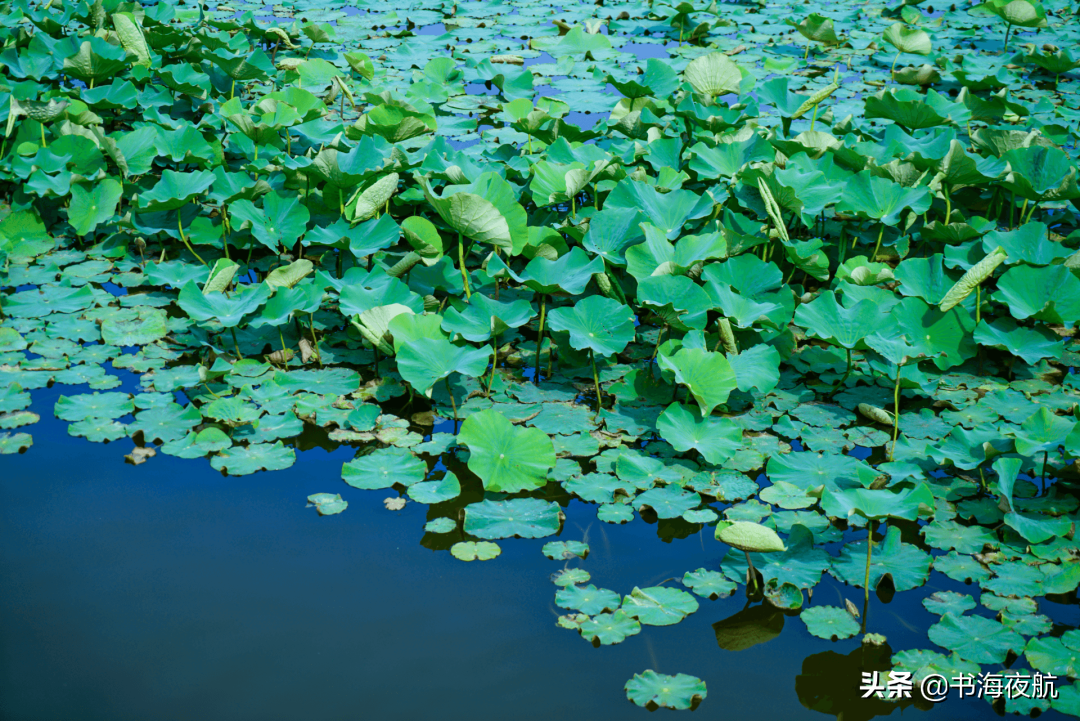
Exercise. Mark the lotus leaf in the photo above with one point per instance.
(521, 517)
(650, 690)
(475, 550)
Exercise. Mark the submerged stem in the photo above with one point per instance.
(596, 379)
(751, 572)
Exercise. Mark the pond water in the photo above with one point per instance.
(133, 589)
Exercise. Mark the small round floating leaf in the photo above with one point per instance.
(242, 461)
(830, 622)
(668, 502)
(564, 550)
(1058, 656)
(384, 468)
(659, 606)
(590, 600)
(521, 517)
(651, 689)
(11, 443)
(608, 629)
(944, 602)
(94, 405)
(571, 577)
(431, 492)
(475, 550)
(440, 525)
(615, 513)
(328, 504)
(709, 584)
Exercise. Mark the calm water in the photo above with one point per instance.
(167, 591)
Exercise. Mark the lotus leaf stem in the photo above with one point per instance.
(180, 226)
(751, 572)
(948, 204)
(43, 143)
(1046, 460)
(453, 403)
(596, 379)
(461, 262)
(1031, 212)
(896, 413)
(660, 337)
(239, 355)
(847, 372)
(877, 247)
(284, 350)
(869, 549)
(978, 303)
(540, 336)
(494, 361)
(315, 341)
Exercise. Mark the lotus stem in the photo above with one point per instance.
(881, 232)
(1031, 212)
(540, 336)
(806, 55)
(596, 379)
(376, 362)
(232, 90)
(751, 572)
(461, 262)
(494, 361)
(1046, 460)
(813, 118)
(982, 480)
(892, 70)
(573, 206)
(315, 341)
(43, 143)
(284, 350)
(978, 303)
(453, 403)
(869, 549)
(239, 355)
(847, 372)
(180, 226)
(340, 264)
(896, 413)
(948, 205)
(1008, 30)
(659, 337)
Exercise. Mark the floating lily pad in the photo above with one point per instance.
(590, 600)
(520, 517)
(659, 606)
(563, 550)
(475, 550)
(15, 443)
(571, 577)
(242, 461)
(607, 629)
(830, 622)
(975, 638)
(652, 690)
(328, 504)
(384, 468)
(709, 584)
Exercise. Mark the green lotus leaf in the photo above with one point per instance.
(94, 405)
(570, 273)
(684, 428)
(11, 340)
(384, 468)
(612, 231)
(881, 199)
(425, 361)
(507, 458)
(599, 487)
(38, 304)
(95, 59)
(475, 550)
(906, 503)
(944, 602)
(174, 190)
(813, 470)
(198, 444)
(596, 323)
(145, 328)
(650, 689)
(909, 109)
(829, 622)
(1050, 294)
(242, 461)
(828, 320)
(1028, 244)
(440, 525)
(1039, 173)
(948, 535)
(590, 600)
(668, 502)
(481, 318)
(713, 74)
(363, 291)
(328, 504)
(18, 419)
(975, 638)
(1030, 344)
(749, 537)
(167, 422)
(907, 40)
(11, 443)
(708, 376)
(905, 564)
(944, 337)
(709, 584)
(279, 223)
(669, 212)
(1058, 656)
(93, 205)
(786, 495)
(99, 430)
(286, 276)
(526, 518)
(432, 492)
(12, 398)
(607, 629)
(565, 550)
(921, 663)
(658, 256)
(229, 311)
(484, 211)
(800, 564)
(286, 302)
(659, 606)
(962, 568)
(1036, 528)
(570, 577)
(676, 300)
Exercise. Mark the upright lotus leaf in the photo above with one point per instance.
(485, 211)
(93, 204)
(482, 318)
(1020, 13)
(708, 376)
(1043, 432)
(229, 311)
(174, 190)
(907, 39)
(1027, 244)
(944, 337)
(748, 537)
(506, 457)
(906, 565)
(374, 324)
(726, 160)
(518, 517)
(650, 689)
(569, 273)
(425, 361)
(129, 29)
(286, 302)
(1035, 528)
(906, 503)
(369, 201)
(881, 199)
(95, 59)
(827, 319)
(659, 256)
(677, 300)
(817, 28)
(242, 67)
(908, 108)
(713, 75)
(669, 212)
(289, 275)
(279, 223)
(925, 278)
(799, 564)
(596, 323)
(716, 439)
(221, 276)
(1050, 294)
(1039, 173)
(427, 245)
(1030, 344)
(612, 231)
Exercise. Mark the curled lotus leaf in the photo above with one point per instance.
(749, 537)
